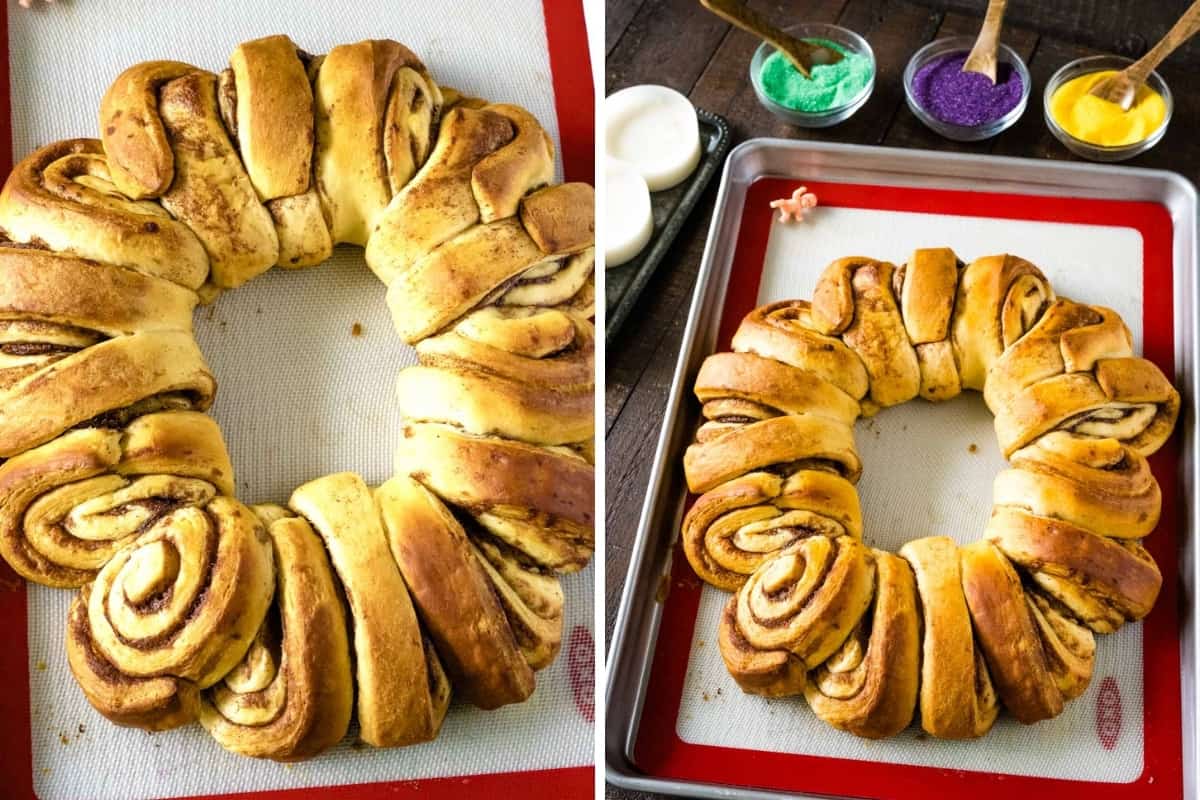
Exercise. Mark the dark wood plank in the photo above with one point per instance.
(617, 16)
(668, 42)
(908, 131)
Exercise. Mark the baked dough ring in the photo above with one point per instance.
(357, 116)
(1101, 485)
(1069, 337)
(537, 500)
(799, 604)
(1103, 582)
(1127, 399)
(721, 454)
(524, 374)
(1009, 635)
(211, 192)
(454, 596)
(958, 700)
(68, 506)
(291, 695)
(143, 163)
(869, 686)
(743, 388)
(732, 529)
(402, 691)
(999, 299)
(785, 331)
(62, 197)
(925, 288)
(172, 612)
(854, 299)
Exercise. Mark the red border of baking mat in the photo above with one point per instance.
(574, 103)
(660, 752)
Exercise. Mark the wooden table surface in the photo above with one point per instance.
(678, 44)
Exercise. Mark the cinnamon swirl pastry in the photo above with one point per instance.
(1025, 676)
(68, 506)
(171, 613)
(794, 612)
(854, 299)
(402, 691)
(266, 103)
(732, 529)
(291, 695)
(455, 596)
(869, 685)
(958, 700)
(925, 288)
(63, 197)
(534, 499)
(999, 299)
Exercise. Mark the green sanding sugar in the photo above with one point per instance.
(831, 85)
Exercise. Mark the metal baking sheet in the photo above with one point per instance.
(640, 615)
(623, 285)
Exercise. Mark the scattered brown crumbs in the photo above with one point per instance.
(45, 770)
(972, 448)
(664, 586)
(81, 728)
(62, 737)
(706, 697)
(356, 329)
(700, 643)
(41, 665)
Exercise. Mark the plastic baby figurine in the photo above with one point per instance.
(793, 208)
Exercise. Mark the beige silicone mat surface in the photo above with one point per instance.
(928, 470)
(299, 396)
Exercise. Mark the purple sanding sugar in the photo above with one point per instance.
(965, 98)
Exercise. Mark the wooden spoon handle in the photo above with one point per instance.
(993, 20)
(738, 13)
(1180, 32)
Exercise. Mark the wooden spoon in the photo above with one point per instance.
(1122, 87)
(802, 55)
(982, 58)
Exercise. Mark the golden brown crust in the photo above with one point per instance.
(113, 375)
(773, 387)
(869, 686)
(1127, 399)
(171, 613)
(1104, 582)
(999, 299)
(785, 331)
(273, 124)
(1097, 484)
(61, 196)
(454, 596)
(854, 298)
(211, 192)
(134, 139)
(538, 500)
(67, 506)
(957, 697)
(730, 530)
(806, 599)
(351, 92)
(770, 673)
(561, 219)
(291, 696)
(402, 692)
(1008, 634)
(939, 371)
(774, 441)
(153, 703)
(925, 288)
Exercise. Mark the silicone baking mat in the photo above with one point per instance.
(300, 396)
(928, 470)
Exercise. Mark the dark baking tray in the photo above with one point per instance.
(670, 207)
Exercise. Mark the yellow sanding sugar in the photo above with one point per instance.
(1100, 122)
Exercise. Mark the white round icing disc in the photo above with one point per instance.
(654, 129)
(628, 221)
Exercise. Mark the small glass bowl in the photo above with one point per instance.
(1099, 152)
(964, 133)
(849, 40)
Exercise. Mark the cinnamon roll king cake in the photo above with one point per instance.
(281, 627)
(953, 635)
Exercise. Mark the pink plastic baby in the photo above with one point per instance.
(794, 207)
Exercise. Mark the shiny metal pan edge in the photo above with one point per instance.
(634, 636)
